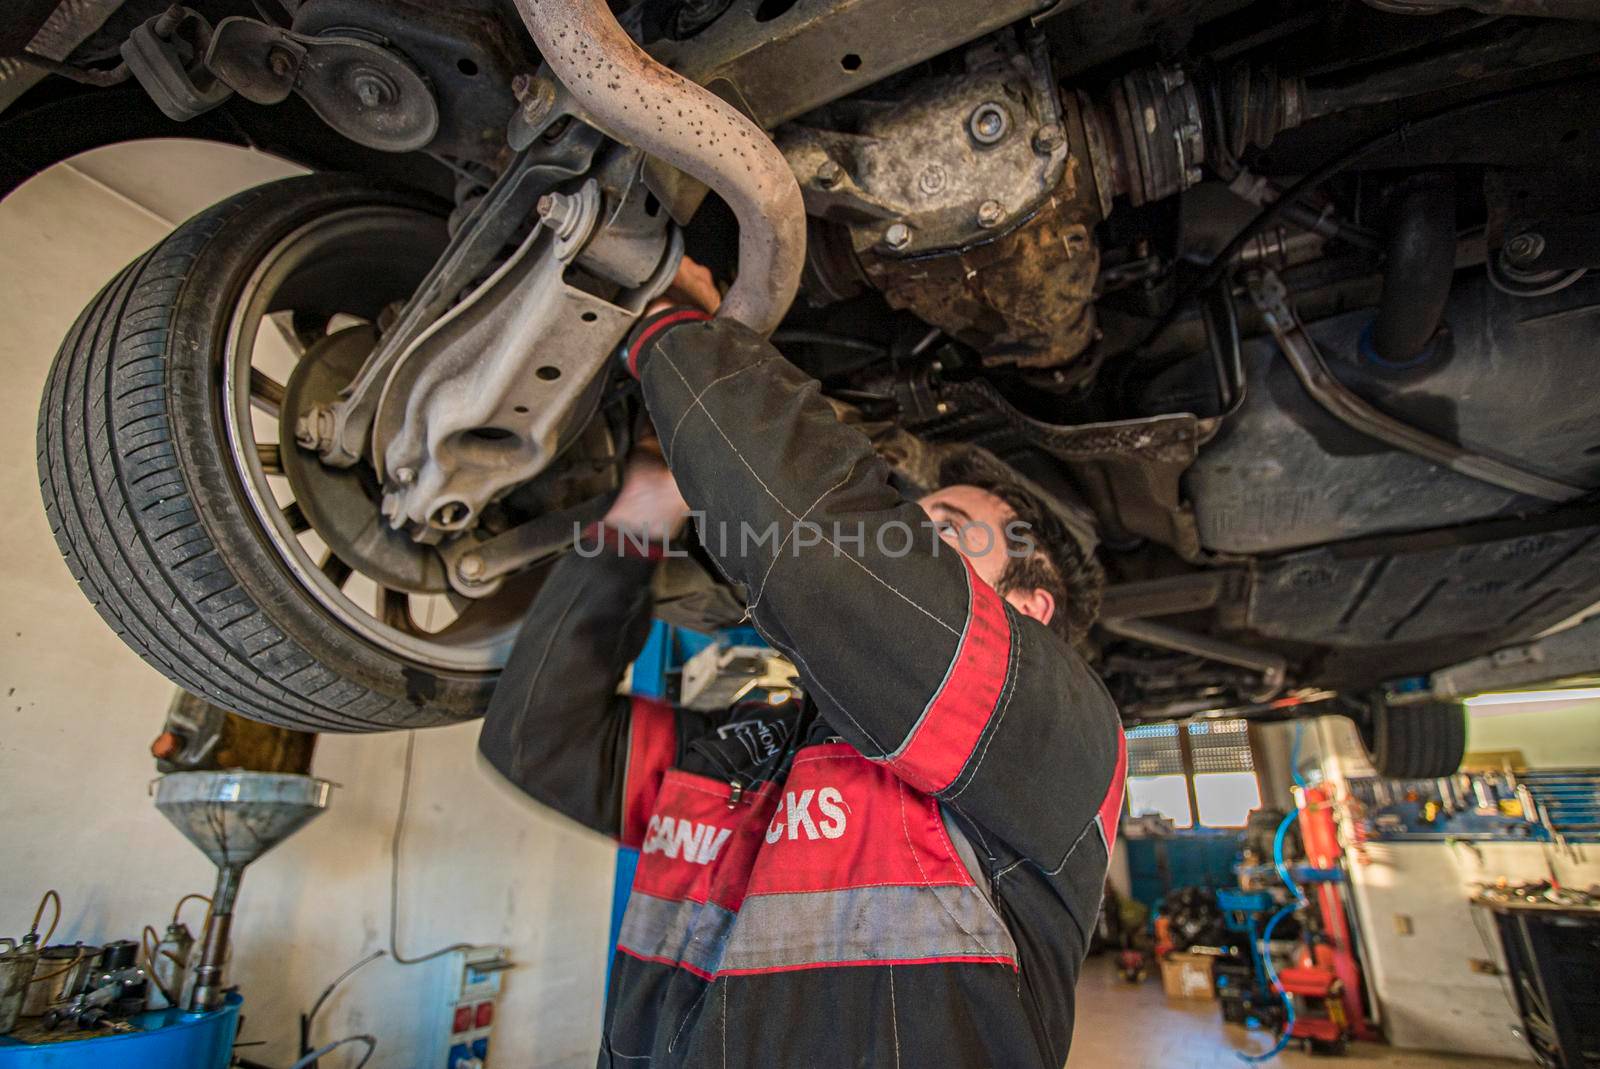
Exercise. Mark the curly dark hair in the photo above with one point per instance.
(1058, 563)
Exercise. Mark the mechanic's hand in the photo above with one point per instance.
(649, 503)
(692, 285)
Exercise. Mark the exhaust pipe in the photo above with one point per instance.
(633, 99)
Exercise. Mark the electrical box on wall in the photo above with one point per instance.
(467, 991)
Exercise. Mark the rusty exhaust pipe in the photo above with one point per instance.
(635, 100)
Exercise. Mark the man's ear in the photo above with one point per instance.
(1038, 603)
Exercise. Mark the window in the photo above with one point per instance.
(1156, 782)
(1193, 774)
(1166, 796)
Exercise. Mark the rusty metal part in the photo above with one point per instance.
(634, 99)
(776, 68)
(1024, 298)
(950, 159)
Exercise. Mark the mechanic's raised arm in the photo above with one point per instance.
(556, 726)
(910, 657)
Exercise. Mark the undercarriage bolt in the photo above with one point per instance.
(1525, 248)
(470, 567)
(536, 95)
(405, 476)
(898, 236)
(560, 213)
(829, 174)
(988, 123)
(1048, 138)
(990, 213)
(280, 63)
(370, 88)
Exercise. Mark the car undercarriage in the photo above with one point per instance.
(1285, 308)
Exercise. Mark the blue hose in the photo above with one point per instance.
(1294, 755)
(1266, 936)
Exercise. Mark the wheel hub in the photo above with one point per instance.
(343, 504)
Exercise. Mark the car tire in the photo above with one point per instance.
(1424, 740)
(147, 506)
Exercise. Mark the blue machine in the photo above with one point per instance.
(168, 1039)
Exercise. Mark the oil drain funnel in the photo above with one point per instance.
(234, 818)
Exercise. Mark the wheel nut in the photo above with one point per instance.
(990, 213)
(470, 567)
(1048, 138)
(829, 174)
(898, 236)
(988, 123)
(1525, 248)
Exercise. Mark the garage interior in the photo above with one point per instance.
(482, 865)
(401, 906)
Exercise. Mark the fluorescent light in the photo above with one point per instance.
(1528, 697)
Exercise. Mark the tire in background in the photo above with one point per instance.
(1426, 740)
(146, 505)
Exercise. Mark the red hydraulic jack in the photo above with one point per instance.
(1330, 974)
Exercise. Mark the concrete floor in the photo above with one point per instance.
(1119, 1026)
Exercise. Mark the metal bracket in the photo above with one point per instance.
(1270, 296)
(477, 568)
(363, 90)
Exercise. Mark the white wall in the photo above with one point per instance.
(1550, 734)
(482, 864)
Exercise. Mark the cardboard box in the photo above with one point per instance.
(1187, 976)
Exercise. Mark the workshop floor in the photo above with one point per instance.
(1119, 1025)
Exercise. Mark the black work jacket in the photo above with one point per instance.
(902, 869)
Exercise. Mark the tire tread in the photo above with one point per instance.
(129, 524)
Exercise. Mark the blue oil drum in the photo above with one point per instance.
(167, 1039)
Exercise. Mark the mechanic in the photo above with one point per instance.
(903, 866)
